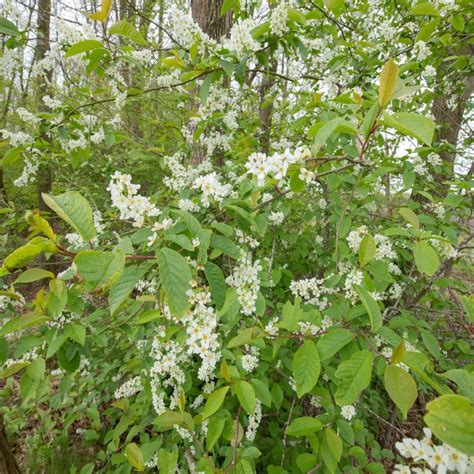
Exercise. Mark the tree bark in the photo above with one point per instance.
(449, 120)
(8, 464)
(207, 14)
(266, 106)
(44, 175)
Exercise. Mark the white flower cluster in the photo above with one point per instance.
(211, 187)
(245, 280)
(165, 224)
(276, 165)
(126, 199)
(129, 388)
(421, 50)
(202, 333)
(250, 360)
(278, 19)
(430, 456)
(188, 205)
(146, 286)
(245, 239)
(276, 218)
(186, 31)
(254, 421)
(384, 249)
(312, 291)
(75, 241)
(348, 412)
(241, 39)
(183, 177)
(29, 170)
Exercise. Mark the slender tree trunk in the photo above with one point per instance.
(207, 14)
(8, 464)
(266, 106)
(449, 111)
(45, 174)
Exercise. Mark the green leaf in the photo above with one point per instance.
(246, 396)
(372, 308)
(303, 426)
(127, 30)
(22, 322)
(214, 431)
(464, 380)
(36, 369)
(33, 274)
(410, 217)
(28, 252)
(8, 28)
(355, 375)
(100, 268)
(415, 125)
(214, 402)
(13, 369)
(401, 388)
(388, 82)
(83, 47)
(245, 336)
(148, 316)
(331, 449)
(424, 9)
(367, 250)
(333, 341)
(167, 461)
(176, 277)
(306, 368)
(451, 419)
(262, 392)
(225, 245)
(75, 210)
(103, 13)
(123, 288)
(217, 285)
(180, 240)
(328, 129)
(426, 259)
(134, 456)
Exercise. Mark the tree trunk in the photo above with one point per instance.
(266, 106)
(207, 14)
(8, 464)
(449, 120)
(45, 175)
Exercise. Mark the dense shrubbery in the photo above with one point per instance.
(289, 292)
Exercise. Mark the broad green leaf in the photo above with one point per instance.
(328, 129)
(303, 426)
(401, 387)
(75, 210)
(176, 277)
(148, 316)
(464, 380)
(333, 341)
(388, 82)
(13, 369)
(33, 274)
(180, 240)
(167, 460)
(451, 419)
(22, 322)
(7, 27)
(214, 402)
(262, 392)
(246, 395)
(355, 375)
(103, 13)
(245, 336)
(426, 259)
(217, 285)
(415, 125)
(371, 306)
(39, 223)
(398, 354)
(36, 369)
(127, 30)
(225, 245)
(306, 368)
(123, 288)
(424, 9)
(204, 236)
(100, 268)
(134, 456)
(410, 217)
(83, 47)
(331, 449)
(367, 250)
(28, 252)
(214, 431)
(305, 461)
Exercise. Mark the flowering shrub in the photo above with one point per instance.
(271, 309)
